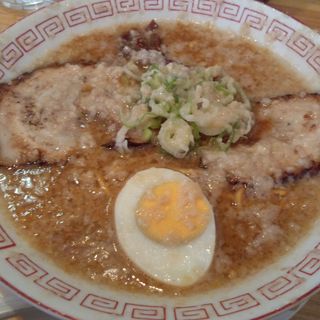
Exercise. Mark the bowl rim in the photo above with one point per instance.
(55, 312)
(51, 311)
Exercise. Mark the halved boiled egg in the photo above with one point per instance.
(166, 226)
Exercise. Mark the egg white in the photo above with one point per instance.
(179, 265)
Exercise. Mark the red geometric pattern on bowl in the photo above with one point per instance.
(230, 11)
(204, 7)
(300, 44)
(272, 290)
(144, 312)
(314, 60)
(135, 311)
(85, 14)
(5, 241)
(308, 266)
(10, 55)
(236, 304)
(50, 27)
(254, 19)
(77, 16)
(127, 6)
(213, 310)
(223, 308)
(280, 286)
(42, 278)
(179, 5)
(58, 287)
(153, 5)
(101, 10)
(100, 304)
(203, 312)
(280, 31)
(30, 39)
(26, 266)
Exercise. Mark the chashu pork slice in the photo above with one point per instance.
(289, 145)
(47, 115)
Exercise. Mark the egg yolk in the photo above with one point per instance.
(173, 213)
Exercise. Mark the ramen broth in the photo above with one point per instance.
(66, 211)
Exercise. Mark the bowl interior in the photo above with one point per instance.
(28, 273)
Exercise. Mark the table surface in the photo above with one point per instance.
(308, 12)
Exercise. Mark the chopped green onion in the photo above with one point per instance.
(155, 123)
(184, 103)
(226, 137)
(170, 84)
(153, 67)
(195, 131)
(221, 88)
(147, 134)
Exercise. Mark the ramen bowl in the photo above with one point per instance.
(276, 291)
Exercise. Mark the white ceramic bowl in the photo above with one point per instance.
(271, 292)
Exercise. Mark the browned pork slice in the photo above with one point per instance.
(47, 115)
(289, 146)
